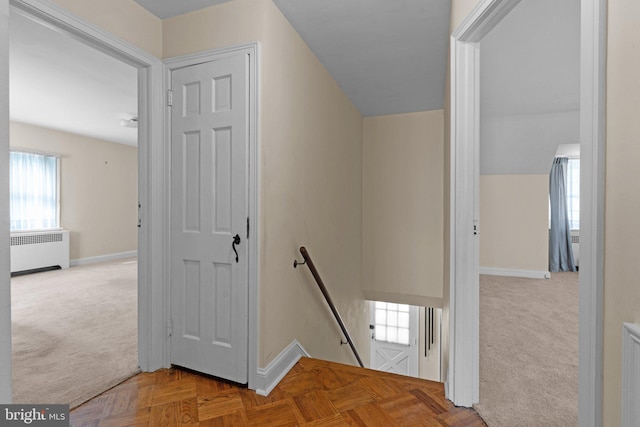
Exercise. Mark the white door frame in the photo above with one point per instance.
(5, 278)
(170, 64)
(152, 184)
(463, 377)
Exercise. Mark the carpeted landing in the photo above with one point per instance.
(74, 332)
(529, 351)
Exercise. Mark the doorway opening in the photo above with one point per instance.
(152, 352)
(529, 109)
(462, 386)
(405, 339)
(76, 327)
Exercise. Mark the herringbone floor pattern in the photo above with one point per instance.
(314, 393)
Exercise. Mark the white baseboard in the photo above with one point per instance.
(527, 274)
(102, 258)
(270, 376)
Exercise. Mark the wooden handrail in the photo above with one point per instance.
(327, 297)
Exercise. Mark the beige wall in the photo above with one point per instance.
(621, 292)
(460, 9)
(402, 208)
(310, 145)
(429, 367)
(228, 24)
(514, 222)
(98, 189)
(123, 18)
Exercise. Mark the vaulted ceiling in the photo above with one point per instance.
(389, 57)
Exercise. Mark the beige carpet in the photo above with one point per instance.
(529, 351)
(74, 332)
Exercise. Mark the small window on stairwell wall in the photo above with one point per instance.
(392, 322)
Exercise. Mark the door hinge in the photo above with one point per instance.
(139, 217)
(170, 98)
(169, 328)
(247, 227)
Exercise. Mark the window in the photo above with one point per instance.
(392, 322)
(573, 193)
(34, 191)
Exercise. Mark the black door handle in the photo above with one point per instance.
(236, 241)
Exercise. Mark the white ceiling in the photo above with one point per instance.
(164, 9)
(60, 83)
(530, 87)
(531, 60)
(388, 56)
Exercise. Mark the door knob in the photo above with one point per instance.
(236, 241)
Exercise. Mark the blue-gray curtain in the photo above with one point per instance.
(560, 250)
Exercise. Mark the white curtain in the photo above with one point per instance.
(33, 191)
(573, 193)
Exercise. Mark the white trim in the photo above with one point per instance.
(268, 378)
(254, 215)
(102, 258)
(60, 19)
(482, 19)
(252, 50)
(5, 267)
(527, 274)
(418, 300)
(208, 56)
(151, 174)
(153, 263)
(462, 386)
(592, 159)
(463, 377)
(630, 374)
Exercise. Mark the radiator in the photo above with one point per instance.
(35, 250)
(630, 375)
(575, 246)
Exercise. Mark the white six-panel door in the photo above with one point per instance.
(209, 158)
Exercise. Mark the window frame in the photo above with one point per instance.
(57, 195)
(377, 306)
(577, 187)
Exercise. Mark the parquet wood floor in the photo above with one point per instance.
(313, 393)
